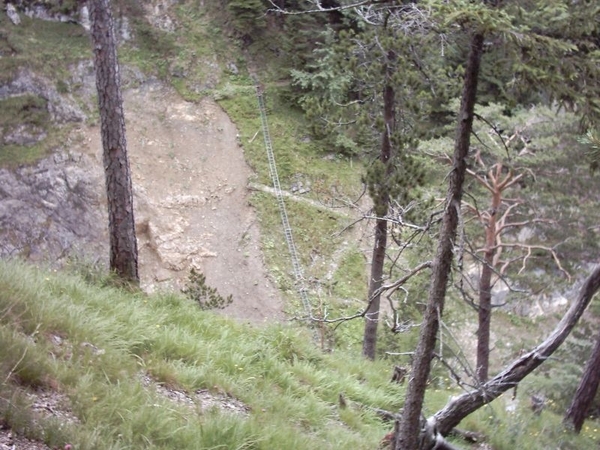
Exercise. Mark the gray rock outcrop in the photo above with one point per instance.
(52, 210)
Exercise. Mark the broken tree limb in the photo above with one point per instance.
(460, 407)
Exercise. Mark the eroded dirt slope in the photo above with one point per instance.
(190, 186)
(190, 182)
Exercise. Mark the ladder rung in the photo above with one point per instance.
(302, 290)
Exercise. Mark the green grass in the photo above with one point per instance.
(521, 428)
(295, 152)
(350, 279)
(332, 180)
(46, 49)
(289, 388)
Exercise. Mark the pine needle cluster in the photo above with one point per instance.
(207, 297)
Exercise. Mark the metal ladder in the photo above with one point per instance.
(287, 230)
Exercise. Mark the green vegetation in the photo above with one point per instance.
(333, 179)
(114, 356)
(95, 345)
(349, 280)
(25, 112)
(30, 110)
(45, 49)
(288, 387)
(207, 297)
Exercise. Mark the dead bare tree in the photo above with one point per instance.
(460, 407)
(432, 431)
(496, 220)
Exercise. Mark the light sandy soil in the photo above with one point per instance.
(190, 185)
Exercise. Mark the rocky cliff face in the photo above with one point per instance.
(51, 210)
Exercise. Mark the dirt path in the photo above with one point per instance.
(190, 182)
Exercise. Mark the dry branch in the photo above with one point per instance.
(460, 407)
(396, 284)
(319, 8)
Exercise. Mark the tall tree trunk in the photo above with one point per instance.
(375, 282)
(485, 291)
(408, 434)
(485, 318)
(381, 208)
(432, 431)
(121, 223)
(586, 391)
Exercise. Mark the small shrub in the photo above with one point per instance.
(207, 297)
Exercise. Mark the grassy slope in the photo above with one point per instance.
(45, 48)
(290, 388)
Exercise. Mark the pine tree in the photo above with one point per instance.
(362, 79)
(123, 243)
(247, 16)
(207, 297)
(521, 51)
(514, 26)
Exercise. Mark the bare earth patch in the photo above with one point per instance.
(192, 210)
(11, 441)
(52, 404)
(46, 404)
(202, 399)
(191, 192)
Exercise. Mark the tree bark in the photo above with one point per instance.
(485, 291)
(381, 209)
(485, 318)
(375, 282)
(121, 223)
(408, 434)
(586, 391)
(460, 407)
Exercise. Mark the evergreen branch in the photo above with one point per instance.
(496, 131)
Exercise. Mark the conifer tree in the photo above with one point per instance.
(247, 16)
(542, 51)
(123, 243)
(514, 25)
(354, 91)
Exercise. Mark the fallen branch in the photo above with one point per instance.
(383, 414)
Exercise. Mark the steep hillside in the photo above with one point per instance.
(104, 361)
(90, 367)
(98, 368)
(194, 208)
